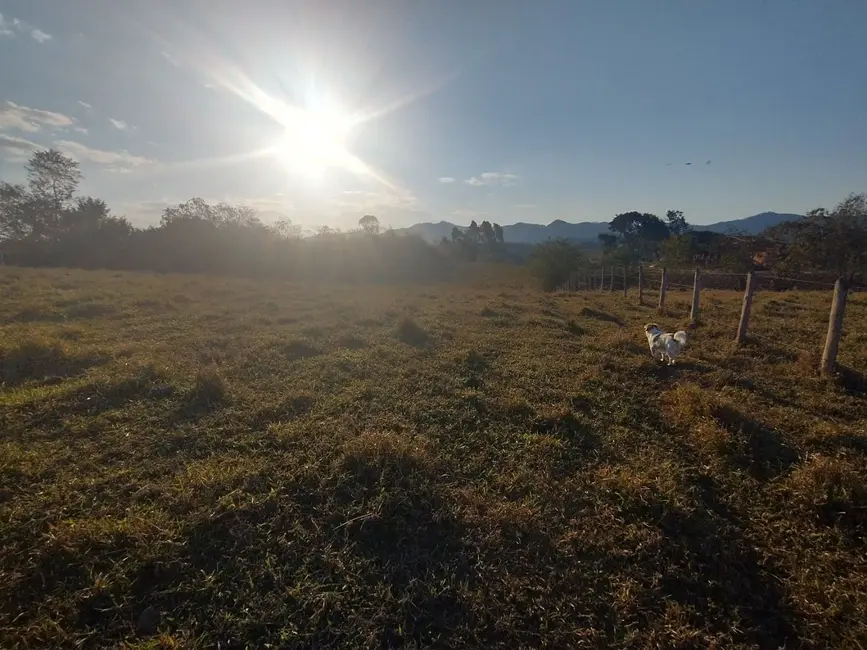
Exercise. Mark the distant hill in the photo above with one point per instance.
(750, 225)
(589, 231)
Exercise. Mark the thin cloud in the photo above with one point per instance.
(171, 59)
(39, 36)
(446, 179)
(363, 200)
(120, 125)
(10, 28)
(117, 161)
(85, 105)
(31, 120)
(17, 144)
(16, 150)
(490, 179)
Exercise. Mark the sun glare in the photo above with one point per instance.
(315, 135)
(315, 141)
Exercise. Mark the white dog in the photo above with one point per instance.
(664, 346)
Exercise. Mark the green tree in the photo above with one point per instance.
(284, 229)
(369, 224)
(486, 232)
(34, 212)
(678, 249)
(195, 209)
(639, 235)
(52, 179)
(676, 222)
(830, 240)
(608, 241)
(17, 212)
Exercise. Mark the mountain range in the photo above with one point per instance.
(589, 231)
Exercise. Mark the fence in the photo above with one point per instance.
(607, 279)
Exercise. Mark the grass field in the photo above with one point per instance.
(190, 461)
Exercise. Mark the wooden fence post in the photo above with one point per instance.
(745, 311)
(611, 281)
(663, 285)
(835, 327)
(625, 286)
(602, 278)
(640, 284)
(696, 296)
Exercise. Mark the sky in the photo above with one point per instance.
(422, 110)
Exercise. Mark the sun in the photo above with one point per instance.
(315, 141)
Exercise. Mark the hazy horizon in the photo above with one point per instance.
(443, 111)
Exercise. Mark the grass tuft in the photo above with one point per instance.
(411, 333)
(209, 389)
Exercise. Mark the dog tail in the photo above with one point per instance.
(680, 337)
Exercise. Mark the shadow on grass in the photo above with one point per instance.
(292, 407)
(411, 333)
(850, 442)
(34, 360)
(763, 452)
(595, 314)
(575, 329)
(299, 349)
(636, 348)
(325, 545)
(709, 566)
(475, 366)
(45, 418)
(149, 384)
(851, 380)
(662, 371)
(208, 393)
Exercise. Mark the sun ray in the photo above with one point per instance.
(315, 133)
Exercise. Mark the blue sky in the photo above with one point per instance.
(504, 110)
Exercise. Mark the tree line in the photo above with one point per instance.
(44, 223)
(823, 244)
(476, 242)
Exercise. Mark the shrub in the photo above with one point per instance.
(553, 261)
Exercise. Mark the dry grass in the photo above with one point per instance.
(187, 462)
